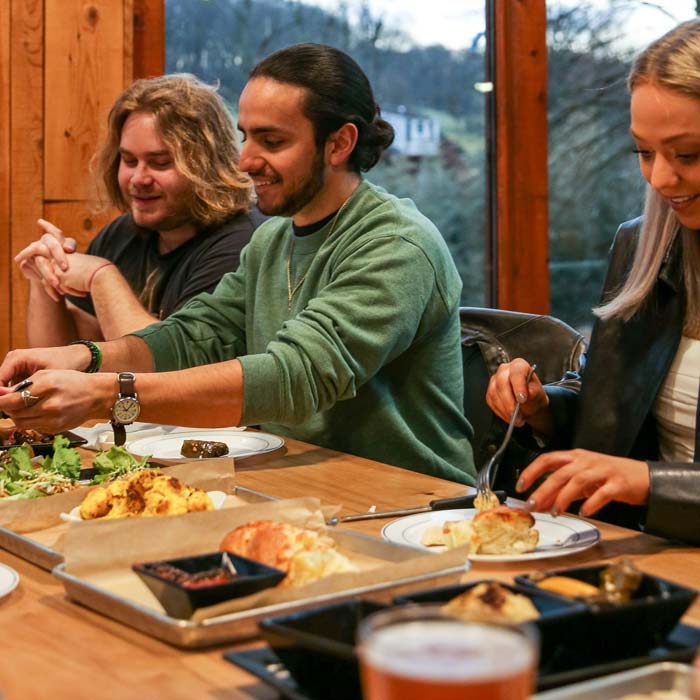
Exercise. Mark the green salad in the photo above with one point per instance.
(21, 477)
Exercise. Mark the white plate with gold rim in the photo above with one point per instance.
(559, 536)
(240, 443)
(9, 579)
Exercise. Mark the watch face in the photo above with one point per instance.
(126, 410)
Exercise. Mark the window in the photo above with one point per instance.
(426, 62)
(594, 180)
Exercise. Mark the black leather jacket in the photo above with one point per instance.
(625, 366)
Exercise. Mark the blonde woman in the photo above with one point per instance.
(634, 424)
(170, 164)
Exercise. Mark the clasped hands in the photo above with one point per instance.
(573, 474)
(52, 261)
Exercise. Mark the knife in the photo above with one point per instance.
(439, 504)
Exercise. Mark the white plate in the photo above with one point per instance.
(558, 536)
(240, 444)
(9, 579)
(217, 498)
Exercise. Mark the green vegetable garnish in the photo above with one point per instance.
(116, 463)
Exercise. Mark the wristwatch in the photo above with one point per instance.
(126, 408)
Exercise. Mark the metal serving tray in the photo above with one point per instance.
(33, 551)
(240, 625)
(662, 676)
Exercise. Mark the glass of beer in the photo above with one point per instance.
(417, 652)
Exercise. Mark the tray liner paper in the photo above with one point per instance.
(103, 553)
(44, 514)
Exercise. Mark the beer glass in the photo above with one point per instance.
(417, 652)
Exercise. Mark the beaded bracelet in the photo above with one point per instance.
(95, 355)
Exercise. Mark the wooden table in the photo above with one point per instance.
(54, 648)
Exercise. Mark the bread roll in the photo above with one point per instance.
(272, 543)
(491, 602)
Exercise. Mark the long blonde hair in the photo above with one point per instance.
(671, 62)
(193, 122)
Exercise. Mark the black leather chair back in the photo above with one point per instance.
(493, 336)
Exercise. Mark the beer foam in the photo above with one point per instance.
(448, 650)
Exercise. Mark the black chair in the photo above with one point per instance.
(493, 336)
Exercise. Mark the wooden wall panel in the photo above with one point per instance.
(26, 145)
(5, 286)
(84, 71)
(77, 220)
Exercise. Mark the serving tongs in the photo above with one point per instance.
(438, 504)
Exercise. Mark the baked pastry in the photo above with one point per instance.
(491, 602)
(273, 543)
(501, 530)
(305, 555)
(146, 493)
(310, 565)
(505, 530)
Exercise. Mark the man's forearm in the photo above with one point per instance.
(49, 322)
(128, 354)
(116, 306)
(207, 396)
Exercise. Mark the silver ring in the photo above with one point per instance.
(28, 398)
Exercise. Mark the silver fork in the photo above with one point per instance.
(484, 478)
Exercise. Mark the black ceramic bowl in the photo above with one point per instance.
(559, 618)
(317, 647)
(183, 585)
(618, 630)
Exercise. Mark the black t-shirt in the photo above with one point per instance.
(164, 283)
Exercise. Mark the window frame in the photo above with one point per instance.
(516, 242)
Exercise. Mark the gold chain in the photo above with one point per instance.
(291, 291)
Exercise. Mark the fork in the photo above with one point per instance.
(484, 479)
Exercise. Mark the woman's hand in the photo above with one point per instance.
(509, 385)
(581, 474)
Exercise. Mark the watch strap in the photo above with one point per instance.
(119, 433)
(126, 384)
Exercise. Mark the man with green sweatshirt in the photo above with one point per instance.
(341, 325)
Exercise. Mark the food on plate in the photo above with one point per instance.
(15, 436)
(147, 493)
(20, 478)
(310, 565)
(199, 579)
(491, 602)
(502, 530)
(305, 555)
(486, 500)
(619, 581)
(569, 587)
(199, 449)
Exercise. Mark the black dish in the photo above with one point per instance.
(623, 629)
(680, 646)
(559, 618)
(181, 598)
(45, 447)
(318, 647)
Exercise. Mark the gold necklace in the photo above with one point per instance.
(291, 291)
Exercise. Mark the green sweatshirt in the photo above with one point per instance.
(368, 358)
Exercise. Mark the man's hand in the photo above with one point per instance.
(43, 260)
(578, 474)
(66, 399)
(19, 364)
